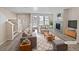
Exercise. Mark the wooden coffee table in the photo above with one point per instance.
(50, 38)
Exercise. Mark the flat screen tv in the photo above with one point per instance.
(72, 24)
(58, 26)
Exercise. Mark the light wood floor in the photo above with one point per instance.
(13, 45)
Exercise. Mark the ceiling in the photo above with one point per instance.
(35, 9)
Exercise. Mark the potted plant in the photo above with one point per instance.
(51, 24)
(23, 38)
(26, 41)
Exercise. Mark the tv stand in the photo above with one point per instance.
(71, 33)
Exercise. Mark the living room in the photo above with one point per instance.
(56, 28)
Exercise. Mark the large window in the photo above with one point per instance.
(34, 21)
(46, 20)
(41, 20)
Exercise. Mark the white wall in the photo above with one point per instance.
(4, 16)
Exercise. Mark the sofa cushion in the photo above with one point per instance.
(58, 42)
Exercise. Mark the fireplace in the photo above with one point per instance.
(58, 26)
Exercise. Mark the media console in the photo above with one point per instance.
(71, 33)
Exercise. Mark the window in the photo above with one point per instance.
(34, 21)
(46, 20)
(41, 21)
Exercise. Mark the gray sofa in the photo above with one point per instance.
(33, 41)
(59, 45)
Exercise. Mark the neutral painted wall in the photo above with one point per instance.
(4, 16)
(65, 18)
(72, 14)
